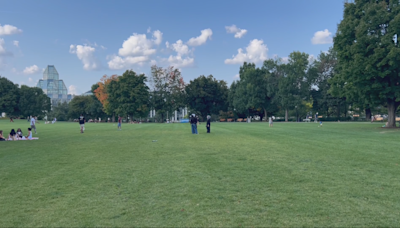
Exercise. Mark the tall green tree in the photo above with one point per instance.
(257, 89)
(78, 105)
(295, 84)
(60, 112)
(9, 96)
(207, 95)
(368, 47)
(129, 94)
(33, 101)
(326, 98)
(167, 90)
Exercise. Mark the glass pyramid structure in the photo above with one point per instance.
(53, 86)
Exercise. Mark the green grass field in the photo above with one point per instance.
(240, 175)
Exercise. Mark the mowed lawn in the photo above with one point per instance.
(240, 175)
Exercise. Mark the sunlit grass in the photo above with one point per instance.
(294, 174)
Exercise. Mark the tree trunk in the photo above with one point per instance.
(113, 118)
(266, 115)
(338, 110)
(286, 115)
(130, 118)
(392, 108)
(368, 113)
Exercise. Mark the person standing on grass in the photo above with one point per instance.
(208, 123)
(193, 123)
(119, 122)
(270, 122)
(33, 122)
(82, 123)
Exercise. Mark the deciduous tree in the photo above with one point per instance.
(368, 47)
(9, 96)
(207, 95)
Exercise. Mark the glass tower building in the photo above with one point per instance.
(53, 86)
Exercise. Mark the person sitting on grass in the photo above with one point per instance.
(29, 136)
(19, 134)
(1, 136)
(12, 135)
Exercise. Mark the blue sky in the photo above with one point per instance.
(87, 39)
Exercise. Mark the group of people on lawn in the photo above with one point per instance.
(18, 135)
(194, 120)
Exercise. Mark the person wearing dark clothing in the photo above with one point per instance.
(208, 123)
(82, 123)
(119, 122)
(12, 135)
(193, 123)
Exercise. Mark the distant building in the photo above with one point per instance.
(176, 115)
(53, 87)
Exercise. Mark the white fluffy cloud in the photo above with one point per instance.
(73, 90)
(322, 37)
(3, 50)
(137, 49)
(118, 63)
(85, 53)
(256, 52)
(197, 41)
(157, 35)
(9, 30)
(32, 70)
(181, 50)
(178, 62)
(236, 76)
(179, 47)
(239, 33)
(138, 44)
(16, 43)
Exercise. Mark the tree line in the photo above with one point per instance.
(360, 74)
(22, 101)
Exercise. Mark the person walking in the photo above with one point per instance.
(270, 122)
(33, 122)
(82, 123)
(208, 123)
(119, 123)
(193, 123)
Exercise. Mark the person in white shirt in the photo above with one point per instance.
(33, 121)
(270, 121)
